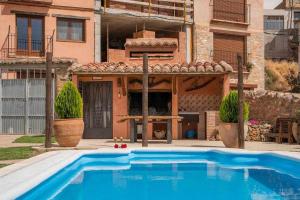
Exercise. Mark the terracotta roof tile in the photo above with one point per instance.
(121, 68)
(151, 42)
(26, 60)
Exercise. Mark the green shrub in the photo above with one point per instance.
(68, 103)
(229, 108)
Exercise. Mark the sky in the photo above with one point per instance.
(269, 4)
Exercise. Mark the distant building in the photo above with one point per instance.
(280, 27)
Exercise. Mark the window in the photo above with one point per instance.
(226, 47)
(273, 22)
(296, 15)
(70, 29)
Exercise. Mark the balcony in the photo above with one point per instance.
(48, 2)
(14, 46)
(173, 10)
(230, 11)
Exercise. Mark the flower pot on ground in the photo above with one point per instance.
(228, 127)
(68, 106)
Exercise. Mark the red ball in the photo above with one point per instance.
(124, 146)
(116, 146)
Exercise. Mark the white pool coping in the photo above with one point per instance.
(17, 179)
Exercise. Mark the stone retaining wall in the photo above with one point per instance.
(269, 105)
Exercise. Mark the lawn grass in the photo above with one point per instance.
(15, 153)
(32, 139)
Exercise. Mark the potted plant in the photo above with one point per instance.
(249, 66)
(228, 127)
(68, 106)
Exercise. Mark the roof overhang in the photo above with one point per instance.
(195, 68)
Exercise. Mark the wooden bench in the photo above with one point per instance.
(282, 130)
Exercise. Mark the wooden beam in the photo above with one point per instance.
(145, 100)
(241, 141)
(174, 80)
(107, 42)
(124, 92)
(49, 101)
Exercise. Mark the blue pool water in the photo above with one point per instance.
(177, 175)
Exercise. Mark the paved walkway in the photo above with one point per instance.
(7, 141)
(256, 146)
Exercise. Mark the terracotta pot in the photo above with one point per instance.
(68, 132)
(229, 134)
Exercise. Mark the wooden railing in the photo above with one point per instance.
(170, 9)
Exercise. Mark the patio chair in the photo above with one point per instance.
(282, 130)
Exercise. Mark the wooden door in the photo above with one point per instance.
(97, 110)
(30, 35)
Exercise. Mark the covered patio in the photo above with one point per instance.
(182, 98)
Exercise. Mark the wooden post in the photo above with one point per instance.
(49, 102)
(169, 131)
(107, 42)
(132, 127)
(145, 100)
(241, 140)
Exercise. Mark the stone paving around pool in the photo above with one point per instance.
(7, 141)
(19, 178)
(89, 144)
(256, 146)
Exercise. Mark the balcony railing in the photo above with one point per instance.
(232, 11)
(230, 57)
(167, 9)
(15, 46)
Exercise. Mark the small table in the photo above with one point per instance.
(136, 119)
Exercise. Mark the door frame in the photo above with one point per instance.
(82, 82)
(29, 51)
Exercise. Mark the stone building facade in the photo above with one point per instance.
(212, 18)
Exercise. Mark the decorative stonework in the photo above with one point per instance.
(199, 103)
(269, 105)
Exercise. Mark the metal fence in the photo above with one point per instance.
(22, 102)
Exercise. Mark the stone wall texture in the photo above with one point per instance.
(203, 43)
(269, 105)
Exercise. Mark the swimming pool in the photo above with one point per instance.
(158, 175)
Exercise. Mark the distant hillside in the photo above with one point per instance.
(279, 75)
